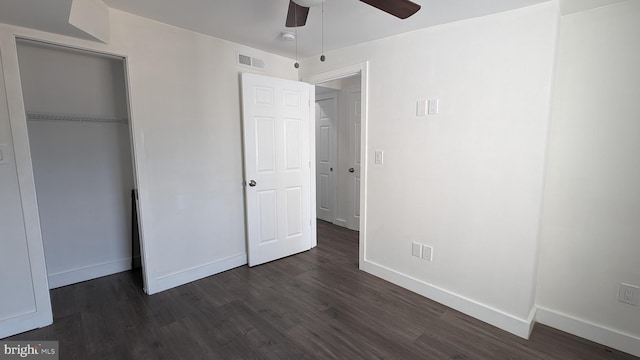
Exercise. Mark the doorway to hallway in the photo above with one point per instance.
(338, 151)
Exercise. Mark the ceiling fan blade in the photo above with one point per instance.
(398, 8)
(297, 15)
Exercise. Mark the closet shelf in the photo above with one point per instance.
(33, 116)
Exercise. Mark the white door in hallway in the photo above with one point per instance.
(354, 126)
(326, 162)
(277, 143)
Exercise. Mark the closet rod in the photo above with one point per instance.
(80, 118)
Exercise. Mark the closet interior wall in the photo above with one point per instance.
(81, 153)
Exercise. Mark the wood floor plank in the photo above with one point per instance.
(314, 305)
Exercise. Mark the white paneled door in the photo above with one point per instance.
(326, 162)
(354, 122)
(276, 125)
(24, 290)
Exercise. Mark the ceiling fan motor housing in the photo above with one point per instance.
(299, 9)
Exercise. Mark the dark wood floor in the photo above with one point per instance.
(315, 305)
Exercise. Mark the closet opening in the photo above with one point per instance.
(80, 142)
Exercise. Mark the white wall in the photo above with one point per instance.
(590, 230)
(63, 81)
(92, 17)
(83, 178)
(573, 6)
(186, 118)
(467, 181)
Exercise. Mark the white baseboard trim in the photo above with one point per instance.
(20, 323)
(495, 317)
(597, 333)
(85, 273)
(182, 277)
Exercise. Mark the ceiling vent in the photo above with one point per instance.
(247, 60)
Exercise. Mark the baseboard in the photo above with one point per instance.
(597, 333)
(24, 322)
(495, 317)
(88, 272)
(178, 278)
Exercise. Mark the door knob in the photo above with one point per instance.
(352, 169)
(252, 183)
(330, 169)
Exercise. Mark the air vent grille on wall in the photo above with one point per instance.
(250, 61)
(33, 116)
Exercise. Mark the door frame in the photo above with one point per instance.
(361, 69)
(19, 118)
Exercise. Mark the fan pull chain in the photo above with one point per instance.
(322, 57)
(295, 29)
(296, 65)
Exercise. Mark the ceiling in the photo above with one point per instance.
(258, 23)
(51, 16)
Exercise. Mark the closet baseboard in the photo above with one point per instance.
(85, 273)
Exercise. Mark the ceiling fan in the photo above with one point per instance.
(299, 9)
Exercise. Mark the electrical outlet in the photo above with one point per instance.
(628, 294)
(416, 249)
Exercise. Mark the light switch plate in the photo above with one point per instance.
(433, 106)
(416, 249)
(4, 154)
(421, 108)
(427, 253)
(379, 157)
